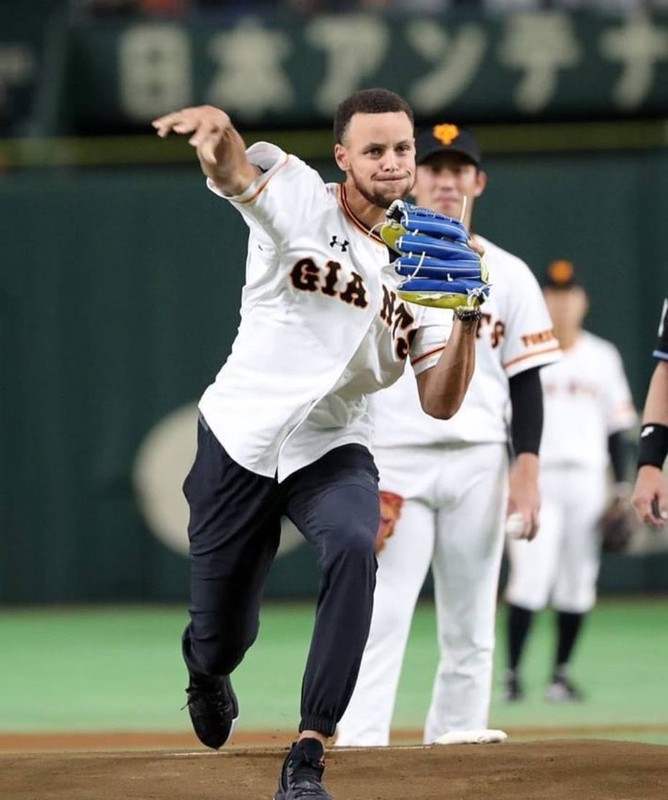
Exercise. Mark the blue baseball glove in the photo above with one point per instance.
(437, 266)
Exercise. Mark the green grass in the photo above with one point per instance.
(120, 670)
(618, 665)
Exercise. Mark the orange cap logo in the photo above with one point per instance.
(561, 271)
(446, 133)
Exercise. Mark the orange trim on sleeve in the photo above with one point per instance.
(426, 355)
(263, 185)
(534, 354)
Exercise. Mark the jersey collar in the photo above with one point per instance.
(343, 201)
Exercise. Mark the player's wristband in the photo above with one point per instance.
(468, 314)
(653, 445)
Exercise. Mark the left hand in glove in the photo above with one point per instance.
(438, 265)
(618, 523)
(390, 510)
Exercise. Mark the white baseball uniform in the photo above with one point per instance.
(453, 476)
(586, 398)
(317, 333)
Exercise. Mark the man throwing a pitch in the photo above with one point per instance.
(284, 428)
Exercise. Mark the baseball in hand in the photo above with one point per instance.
(515, 526)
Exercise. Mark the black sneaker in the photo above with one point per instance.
(562, 690)
(513, 691)
(213, 709)
(301, 776)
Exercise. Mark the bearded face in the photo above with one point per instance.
(378, 156)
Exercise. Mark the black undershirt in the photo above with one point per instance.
(620, 448)
(526, 399)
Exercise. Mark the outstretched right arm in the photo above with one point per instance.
(219, 146)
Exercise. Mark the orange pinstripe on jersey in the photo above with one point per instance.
(428, 355)
(344, 205)
(532, 354)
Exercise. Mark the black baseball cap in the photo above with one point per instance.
(446, 137)
(561, 274)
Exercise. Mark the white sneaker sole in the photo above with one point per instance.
(483, 736)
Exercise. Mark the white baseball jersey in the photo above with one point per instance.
(319, 329)
(515, 334)
(587, 398)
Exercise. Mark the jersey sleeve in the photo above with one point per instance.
(661, 349)
(433, 331)
(278, 201)
(529, 339)
(620, 411)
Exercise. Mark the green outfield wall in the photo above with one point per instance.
(119, 296)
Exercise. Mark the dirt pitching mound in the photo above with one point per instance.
(549, 770)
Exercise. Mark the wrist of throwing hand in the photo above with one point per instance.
(466, 314)
(653, 445)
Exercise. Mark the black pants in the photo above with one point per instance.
(234, 533)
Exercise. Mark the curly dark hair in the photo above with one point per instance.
(367, 101)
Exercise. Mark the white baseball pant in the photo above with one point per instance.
(452, 519)
(560, 566)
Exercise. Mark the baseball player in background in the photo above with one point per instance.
(649, 495)
(588, 412)
(444, 485)
(284, 428)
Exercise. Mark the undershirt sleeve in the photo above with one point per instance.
(526, 399)
(620, 449)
